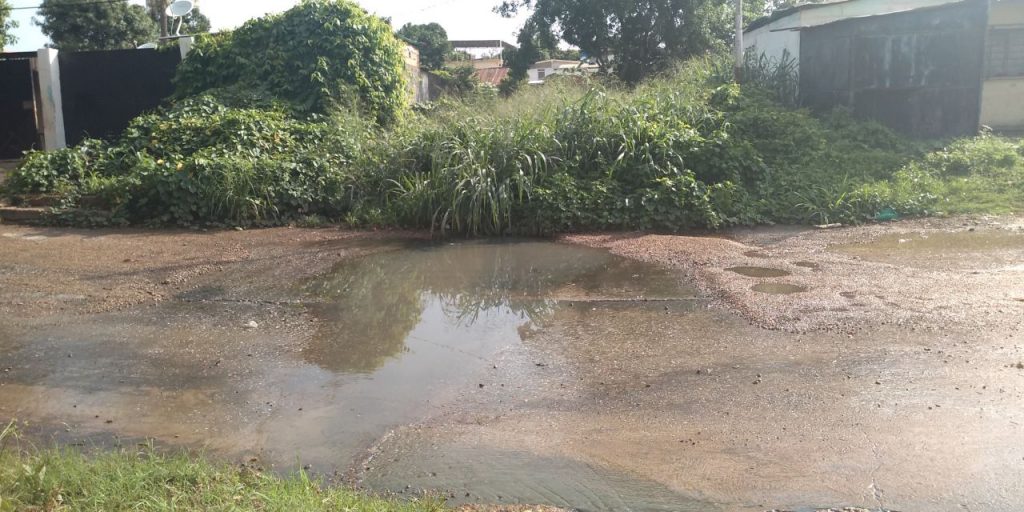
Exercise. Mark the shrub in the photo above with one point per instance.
(201, 162)
(316, 56)
(682, 151)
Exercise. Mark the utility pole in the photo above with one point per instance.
(738, 66)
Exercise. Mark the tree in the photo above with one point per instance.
(432, 42)
(318, 56)
(194, 23)
(76, 25)
(7, 25)
(631, 38)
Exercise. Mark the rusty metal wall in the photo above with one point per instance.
(18, 132)
(919, 72)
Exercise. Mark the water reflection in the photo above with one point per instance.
(369, 308)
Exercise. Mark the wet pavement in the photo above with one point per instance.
(642, 373)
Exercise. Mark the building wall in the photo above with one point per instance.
(776, 39)
(783, 35)
(860, 8)
(417, 80)
(541, 74)
(918, 72)
(1002, 101)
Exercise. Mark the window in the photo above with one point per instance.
(1005, 53)
(540, 74)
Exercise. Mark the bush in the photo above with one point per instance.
(201, 162)
(679, 152)
(319, 55)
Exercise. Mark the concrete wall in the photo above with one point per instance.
(918, 72)
(1002, 101)
(776, 39)
(860, 8)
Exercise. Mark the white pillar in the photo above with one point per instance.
(185, 45)
(739, 41)
(53, 106)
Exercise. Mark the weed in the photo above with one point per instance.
(146, 480)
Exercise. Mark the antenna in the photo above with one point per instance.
(180, 9)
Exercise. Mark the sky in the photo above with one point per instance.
(463, 19)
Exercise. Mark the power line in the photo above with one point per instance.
(94, 2)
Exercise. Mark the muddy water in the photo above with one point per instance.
(960, 249)
(759, 272)
(778, 288)
(394, 339)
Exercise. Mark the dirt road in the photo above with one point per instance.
(781, 368)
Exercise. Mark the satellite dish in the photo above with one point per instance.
(148, 46)
(180, 9)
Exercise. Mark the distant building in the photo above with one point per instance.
(485, 56)
(925, 67)
(541, 71)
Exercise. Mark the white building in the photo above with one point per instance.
(544, 69)
(918, 65)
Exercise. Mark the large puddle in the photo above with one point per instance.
(960, 249)
(397, 337)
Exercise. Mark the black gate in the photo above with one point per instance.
(18, 131)
(103, 91)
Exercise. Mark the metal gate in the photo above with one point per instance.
(103, 91)
(18, 129)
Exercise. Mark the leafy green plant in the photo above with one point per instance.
(317, 56)
(689, 149)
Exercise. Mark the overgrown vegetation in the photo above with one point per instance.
(143, 479)
(687, 149)
(318, 56)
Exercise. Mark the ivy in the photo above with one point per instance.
(318, 56)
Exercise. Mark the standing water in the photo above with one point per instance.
(395, 338)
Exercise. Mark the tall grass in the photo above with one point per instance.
(143, 479)
(687, 149)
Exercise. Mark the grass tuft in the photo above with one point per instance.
(145, 480)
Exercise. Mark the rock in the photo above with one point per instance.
(252, 325)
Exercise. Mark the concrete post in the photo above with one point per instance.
(738, 69)
(53, 107)
(185, 45)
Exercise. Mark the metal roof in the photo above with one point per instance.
(779, 14)
(482, 43)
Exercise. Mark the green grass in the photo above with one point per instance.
(145, 480)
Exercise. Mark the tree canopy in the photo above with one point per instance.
(76, 25)
(432, 42)
(7, 25)
(630, 38)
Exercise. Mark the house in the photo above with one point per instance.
(486, 58)
(929, 68)
(544, 69)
